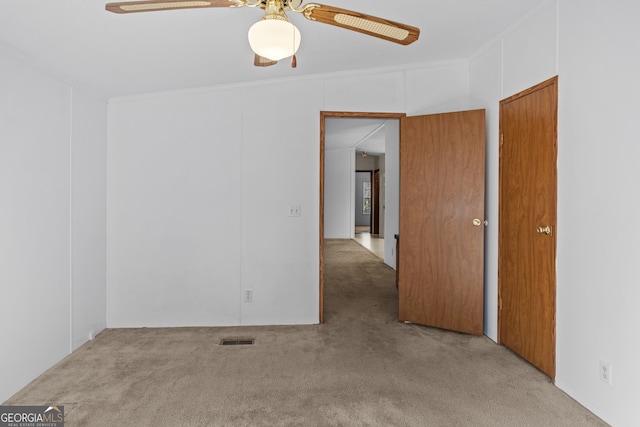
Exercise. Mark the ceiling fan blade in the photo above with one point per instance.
(261, 61)
(366, 24)
(154, 5)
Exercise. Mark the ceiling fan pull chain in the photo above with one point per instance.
(294, 61)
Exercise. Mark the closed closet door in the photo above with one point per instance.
(527, 236)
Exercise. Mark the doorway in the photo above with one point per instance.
(527, 230)
(323, 117)
(451, 145)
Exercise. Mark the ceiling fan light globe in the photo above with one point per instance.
(274, 39)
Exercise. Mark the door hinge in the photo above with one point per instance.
(500, 303)
(501, 138)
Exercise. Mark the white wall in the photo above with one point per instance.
(591, 46)
(520, 58)
(376, 91)
(369, 163)
(437, 89)
(598, 206)
(88, 217)
(175, 210)
(281, 166)
(339, 174)
(199, 188)
(43, 222)
(200, 185)
(392, 190)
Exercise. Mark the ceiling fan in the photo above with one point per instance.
(274, 37)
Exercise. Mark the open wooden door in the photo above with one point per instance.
(442, 177)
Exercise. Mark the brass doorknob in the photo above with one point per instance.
(476, 222)
(546, 230)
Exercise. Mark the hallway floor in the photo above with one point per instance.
(373, 243)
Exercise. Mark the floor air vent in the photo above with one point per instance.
(237, 341)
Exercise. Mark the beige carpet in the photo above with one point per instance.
(361, 368)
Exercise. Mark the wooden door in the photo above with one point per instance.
(441, 267)
(527, 242)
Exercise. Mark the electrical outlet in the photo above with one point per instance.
(248, 295)
(294, 210)
(606, 372)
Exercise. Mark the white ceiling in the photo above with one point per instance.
(115, 55)
(359, 134)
